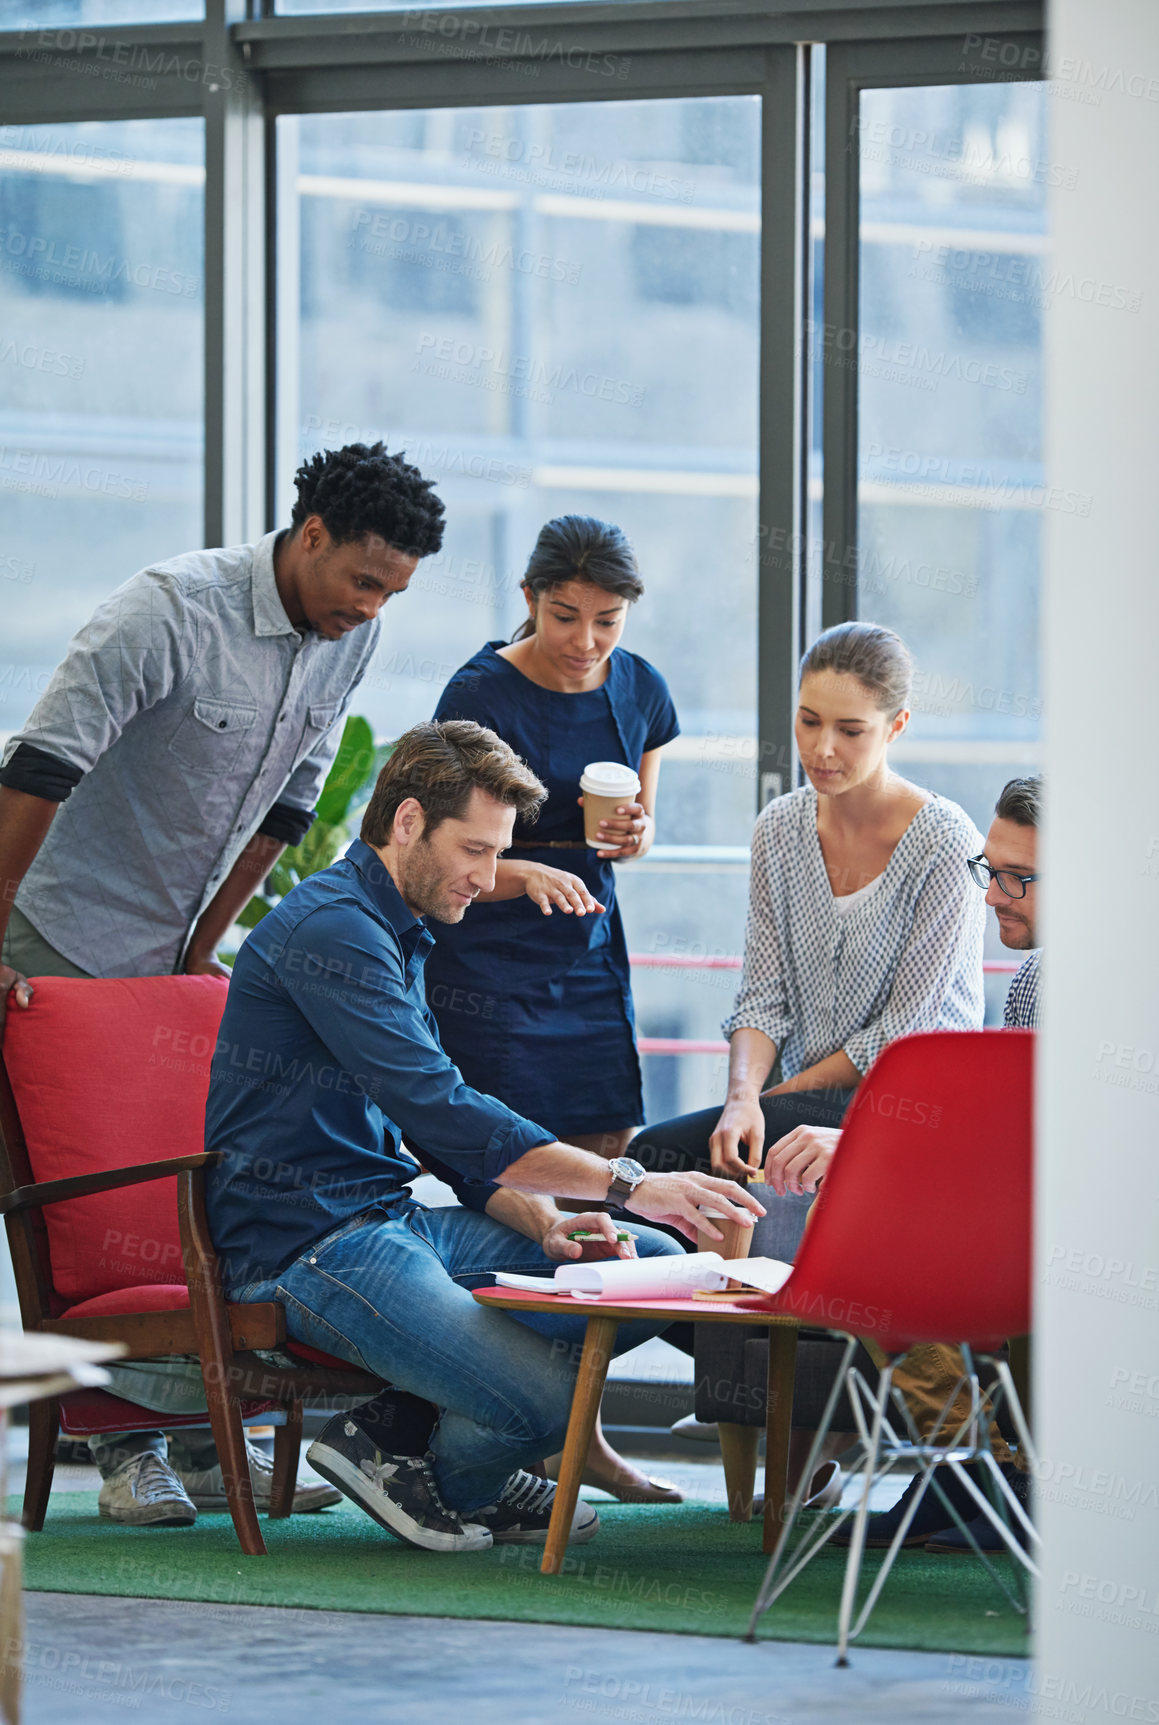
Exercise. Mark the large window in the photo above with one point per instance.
(555, 309)
(951, 493)
(101, 298)
(951, 488)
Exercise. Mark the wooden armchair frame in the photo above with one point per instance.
(222, 1335)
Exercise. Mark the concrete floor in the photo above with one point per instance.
(90, 1659)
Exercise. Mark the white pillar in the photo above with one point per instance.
(1097, 1319)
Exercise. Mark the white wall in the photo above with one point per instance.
(1097, 1370)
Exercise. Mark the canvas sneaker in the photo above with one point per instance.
(399, 1491)
(523, 1512)
(206, 1487)
(145, 1492)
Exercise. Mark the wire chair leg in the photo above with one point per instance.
(1025, 1441)
(857, 1543)
(768, 1591)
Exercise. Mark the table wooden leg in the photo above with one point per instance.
(778, 1424)
(589, 1387)
(738, 1453)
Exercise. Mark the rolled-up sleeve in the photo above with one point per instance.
(763, 1001)
(134, 650)
(357, 1002)
(938, 980)
(285, 822)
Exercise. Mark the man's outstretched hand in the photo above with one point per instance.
(675, 1199)
(14, 987)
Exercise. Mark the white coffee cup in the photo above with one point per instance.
(606, 785)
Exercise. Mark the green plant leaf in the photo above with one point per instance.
(254, 912)
(353, 765)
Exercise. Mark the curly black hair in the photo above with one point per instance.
(361, 489)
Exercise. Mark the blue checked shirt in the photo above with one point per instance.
(328, 1056)
(1021, 1011)
(184, 709)
(907, 957)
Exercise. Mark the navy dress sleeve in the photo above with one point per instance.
(465, 697)
(657, 706)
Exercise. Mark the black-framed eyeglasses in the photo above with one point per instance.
(1013, 885)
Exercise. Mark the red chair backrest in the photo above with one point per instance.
(106, 1074)
(923, 1230)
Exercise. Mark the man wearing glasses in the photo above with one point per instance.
(1006, 869)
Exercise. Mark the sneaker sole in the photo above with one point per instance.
(529, 1536)
(319, 1497)
(146, 1518)
(352, 1483)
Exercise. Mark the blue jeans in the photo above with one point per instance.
(389, 1292)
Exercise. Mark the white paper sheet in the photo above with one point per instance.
(675, 1278)
(654, 1278)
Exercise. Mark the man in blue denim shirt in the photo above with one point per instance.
(328, 1058)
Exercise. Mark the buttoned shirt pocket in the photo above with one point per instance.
(320, 716)
(319, 719)
(211, 735)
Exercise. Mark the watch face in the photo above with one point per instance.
(626, 1168)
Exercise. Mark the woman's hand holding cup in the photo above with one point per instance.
(616, 826)
(627, 833)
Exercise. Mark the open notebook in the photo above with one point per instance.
(654, 1278)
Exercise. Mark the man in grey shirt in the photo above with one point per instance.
(177, 749)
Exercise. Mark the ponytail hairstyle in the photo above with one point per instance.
(876, 656)
(580, 548)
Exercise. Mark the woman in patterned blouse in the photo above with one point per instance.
(862, 927)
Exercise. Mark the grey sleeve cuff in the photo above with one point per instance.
(40, 774)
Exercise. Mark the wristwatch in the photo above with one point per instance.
(626, 1176)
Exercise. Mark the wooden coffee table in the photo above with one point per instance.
(604, 1318)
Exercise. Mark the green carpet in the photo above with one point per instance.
(681, 1568)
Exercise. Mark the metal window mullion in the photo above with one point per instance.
(839, 336)
(235, 289)
(779, 550)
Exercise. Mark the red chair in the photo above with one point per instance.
(922, 1233)
(95, 1078)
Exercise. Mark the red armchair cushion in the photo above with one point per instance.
(315, 1356)
(156, 1297)
(85, 1413)
(107, 1073)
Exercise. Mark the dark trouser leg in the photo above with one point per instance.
(681, 1145)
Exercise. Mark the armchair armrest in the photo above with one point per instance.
(84, 1185)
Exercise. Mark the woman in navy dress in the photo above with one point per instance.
(531, 989)
(537, 1012)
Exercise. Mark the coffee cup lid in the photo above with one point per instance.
(609, 779)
